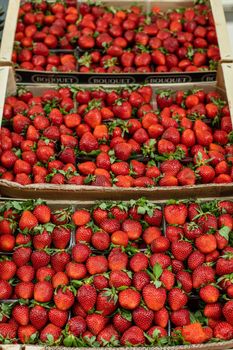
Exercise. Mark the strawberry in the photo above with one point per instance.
(61, 237)
(140, 280)
(42, 213)
(206, 243)
(129, 299)
(7, 331)
(194, 333)
(43, 291)
(223, 330)
(185, 279)
(143, 318)
(138, 262)
(63, 299)
(57, 317)
(133, 336)
(100, 240)
(76, 326)
(38, 316)
(108, 335)
(177, 299)
(27, 221)
(227, 311)
(213, 311)
(86, 296)
(27, 334)
(96, 323)
(50, 334)
(81, 217)
(21, 314)
(181, 250)
(106, 303)
(118, 279)
(153, 297)
(202, 275)
(180, 317)
(7, 270)
(97, 264)
(175, 214)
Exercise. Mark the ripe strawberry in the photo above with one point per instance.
(63, 299)
(7, 269)
(97, 265)
(206, 243)
(76, 326)
(213, 311)
(177, 299)
(129, 299)
(185, 279)
(21, 314)
(194, 333)
(27, 221)
(180, 317)
(38, 316)
(43, 291)
(86, 296)
(223, 330)
(21, 256)
(57, 317)
(61, 237)
(96, 323)
(133, 336)
(50, 334)
(203, 275)
(43, 213)
(181, 250)
(118, 279)
(209, 294)
(27, 334)
(108, 335)
(143, 318)
(7, 331)
(153, 297)
(175, 214)
(227, 311)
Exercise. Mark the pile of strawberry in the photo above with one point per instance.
(124, 137)
(116, 40)
(117, 273)
(42, 30)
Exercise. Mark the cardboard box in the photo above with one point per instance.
(73, 192)
(221, 345)
(26, 76)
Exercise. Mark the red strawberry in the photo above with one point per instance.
(143, 318)
(176, 214)
(180, 317)
(129, 299)
(177, 299)
(96, 323)
(181, 250)
(64, 299)
(133, 336)
(153, 297)
(223, 330)
(50, 334)
(194, 333)
(21, 314)
(202, 275)
(27, 221)
(86, 296)
(227, 311)
(27, 334)
(38, 316)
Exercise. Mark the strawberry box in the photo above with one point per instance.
(72, 166)
(187, 265)
(100, 64)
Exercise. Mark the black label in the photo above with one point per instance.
(30, 77)
(168, 79)
(46, 78)
(112, 79)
